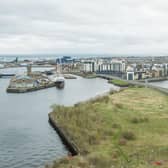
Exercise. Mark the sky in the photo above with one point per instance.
(116, 27)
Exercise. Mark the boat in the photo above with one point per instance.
(60, 82)
(59, 78)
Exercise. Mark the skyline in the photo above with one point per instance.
(83, 27)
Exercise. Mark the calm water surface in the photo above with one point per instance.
(163, 84)
(26, 138)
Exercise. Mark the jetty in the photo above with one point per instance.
(6, 75)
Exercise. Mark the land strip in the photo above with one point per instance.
(128, 128)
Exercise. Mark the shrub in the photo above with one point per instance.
(77, 104)
(137, 120)
(145, 119)
(119, 105)
(108, 132)
(101, 99)
(47, 166)
(139, 86)
(128, 135)
(82, 163)
(122, 141)
(64, 160)
(113, 91)
(93, 138)
(100, 160)
(115, 125)
(106, 99)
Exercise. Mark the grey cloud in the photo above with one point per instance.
(77, 26)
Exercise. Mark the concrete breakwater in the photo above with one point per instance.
(65, 139)
(24, 90)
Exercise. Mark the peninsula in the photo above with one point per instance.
(123, 129)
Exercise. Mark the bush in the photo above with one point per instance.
(145, 119)
(108, 132)
(100, 99)
(128, 135)
(100, 160)
(82, 163)
(113, 91)
(77, 104)
(122, 141)
(137, 120)
(115, 125)
(119, 105)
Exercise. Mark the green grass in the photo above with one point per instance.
(120, 83)
(127, 129)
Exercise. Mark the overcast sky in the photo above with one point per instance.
(126, 27)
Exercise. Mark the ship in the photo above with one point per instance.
(60, 82)
(59, 79)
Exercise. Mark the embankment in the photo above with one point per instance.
(66, 140)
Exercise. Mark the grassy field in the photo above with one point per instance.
(128, 129)
(118, 82)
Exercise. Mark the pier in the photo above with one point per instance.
(6, 75)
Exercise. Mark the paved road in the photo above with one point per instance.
(109, 77)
